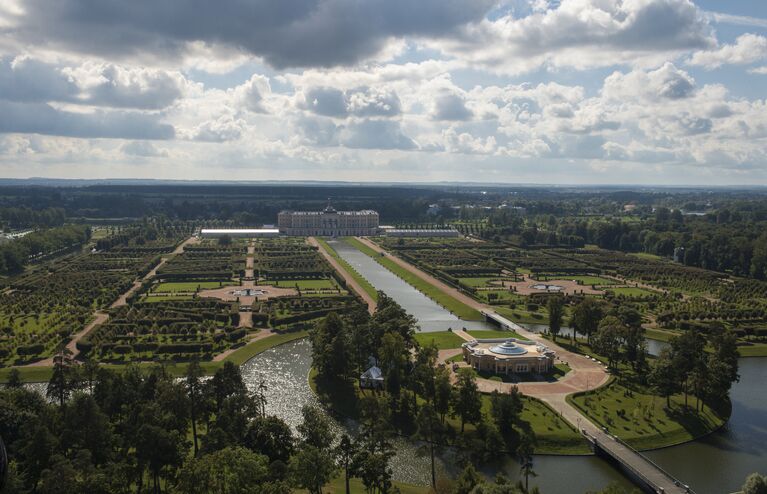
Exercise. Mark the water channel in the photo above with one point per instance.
(431, 316)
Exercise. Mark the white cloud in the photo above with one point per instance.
(223, 129)
(375, 134)
(143, 149)
(748, 48)
(584, 34)
(450, 106)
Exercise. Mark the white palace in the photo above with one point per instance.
(328, 223)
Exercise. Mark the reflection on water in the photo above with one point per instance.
(284, 369)
(720, 462)
(431, 316)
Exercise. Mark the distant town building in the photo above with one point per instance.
(328, 222)
(508, 356)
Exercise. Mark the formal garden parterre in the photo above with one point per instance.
(517, 282)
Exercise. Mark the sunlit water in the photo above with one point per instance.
(431, 316)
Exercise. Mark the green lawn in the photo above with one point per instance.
(165, 298)
(659, 334)
(482, 334)
(753, 350)
(443, 339)
(522, 316)
(632, 291)
(591, 280)
(322, 284)
(644, 255)
(188, 286)
(553, 435)
(483, 281)
(642, 419)
(458, 308)
(365, 284)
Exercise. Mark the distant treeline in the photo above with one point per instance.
(26, 217)
(15, 254)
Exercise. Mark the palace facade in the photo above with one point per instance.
(328, 223)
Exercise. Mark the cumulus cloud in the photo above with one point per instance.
(748, 48)
(326, 101)
(450, 107)
(26, 79)
(143, 149)
(584, 33)
(665, 82)
(128, 87)
(359, 101)
(253, 94)
(223, 129)
(374, 102)
(376, 134)
(299, 33)
(41, 118)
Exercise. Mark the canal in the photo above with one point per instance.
(431, 316)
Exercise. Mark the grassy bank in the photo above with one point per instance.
(642, 419)
(456, 307)
(238, 357)
(364, 283)
(443, 339)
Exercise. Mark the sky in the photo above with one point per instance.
(666, 92)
